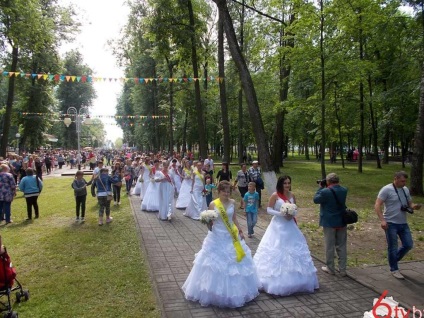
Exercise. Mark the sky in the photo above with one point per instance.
(101, 21)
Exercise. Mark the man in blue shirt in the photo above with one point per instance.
(331, 219)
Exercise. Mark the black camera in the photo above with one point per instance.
(407, 209)
(322, 183)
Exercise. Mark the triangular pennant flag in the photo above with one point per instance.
(23, 74)
(78, 79)
(84, 79)
(39, 76)
(51, 77)
(45, 76)
(73, 77)
(67, 78)
(146, 80)
(185, 79)
(17, 74)
(11, 74)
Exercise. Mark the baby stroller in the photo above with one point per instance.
(9, 284)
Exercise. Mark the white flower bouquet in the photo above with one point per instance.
(207, 217)
(288, 209)
(152, 180)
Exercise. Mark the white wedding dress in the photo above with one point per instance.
(216, 277)
(197, 202)
(166, 192)
(283, 260)
(184, 195)
(145, 183)
(151, 198)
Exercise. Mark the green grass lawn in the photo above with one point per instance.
(74, 269)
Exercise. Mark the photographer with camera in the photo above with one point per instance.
(331, 197)
(397, 203)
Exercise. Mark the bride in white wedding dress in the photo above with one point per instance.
(283, 260)
(223, 273)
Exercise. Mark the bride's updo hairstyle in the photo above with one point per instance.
(223, 185)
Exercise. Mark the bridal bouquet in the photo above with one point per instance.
(205, 193)
(207, 217)
(152, 180)
(288, 209)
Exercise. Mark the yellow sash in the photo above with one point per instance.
(232, 229)
(187, 172)
(201, 177)
(148, 168)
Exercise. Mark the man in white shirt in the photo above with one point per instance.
(209, 161)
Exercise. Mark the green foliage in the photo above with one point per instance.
(36, 28)
(74, 94)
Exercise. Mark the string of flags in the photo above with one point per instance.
(124, 123)
(27, 114)
(90, 79)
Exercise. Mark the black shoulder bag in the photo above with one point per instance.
(349, 216)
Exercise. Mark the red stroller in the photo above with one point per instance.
(9, 284)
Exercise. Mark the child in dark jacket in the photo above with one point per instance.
(80, 190)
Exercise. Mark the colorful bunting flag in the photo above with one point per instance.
(87, 78)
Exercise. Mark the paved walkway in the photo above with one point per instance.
(170, 249)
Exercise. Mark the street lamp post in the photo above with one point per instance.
(18, 135)
(79, 116)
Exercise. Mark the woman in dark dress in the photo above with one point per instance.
(224, 173)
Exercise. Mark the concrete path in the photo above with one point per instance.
(170, 249)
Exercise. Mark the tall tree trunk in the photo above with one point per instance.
(240, 146)
(184, 149)
(9, 103)
(205, 88)
(222, 91)
(386, 138)
(203, 147)
(248, 87)
(373, 125)
(418, 153)
(278, 140)
(321, 47)
(156, 110)
(171, 105)
(361, 98)
(339, 125)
